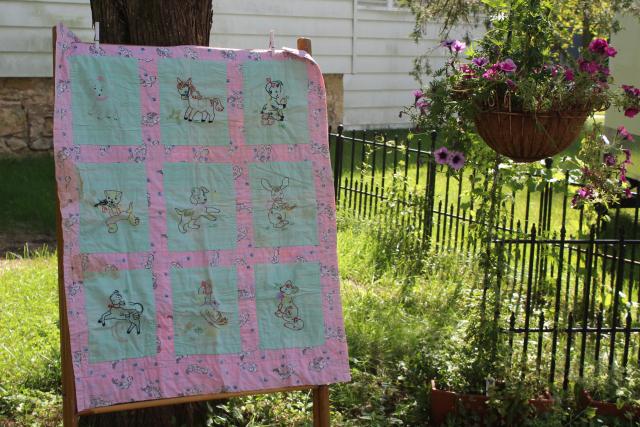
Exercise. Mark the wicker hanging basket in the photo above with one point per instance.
(528, 137)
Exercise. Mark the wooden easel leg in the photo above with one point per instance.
(321, 406)
(69, 415)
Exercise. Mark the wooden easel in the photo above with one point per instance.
(69, 409)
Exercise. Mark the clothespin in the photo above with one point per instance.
(272, 40)
(96, 35)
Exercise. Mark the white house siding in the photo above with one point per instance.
(373, 52)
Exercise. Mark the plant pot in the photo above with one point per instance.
(528, 137)
(609, 409)
(445, 403)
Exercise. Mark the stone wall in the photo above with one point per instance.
(26, 112)
(26, 115)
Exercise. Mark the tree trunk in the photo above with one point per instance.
(153, 23)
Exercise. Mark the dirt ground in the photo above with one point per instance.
(12, 244)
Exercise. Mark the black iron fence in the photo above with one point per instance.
(568, 286)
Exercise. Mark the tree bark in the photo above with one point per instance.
(153, 23)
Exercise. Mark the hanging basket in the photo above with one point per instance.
(528, 137)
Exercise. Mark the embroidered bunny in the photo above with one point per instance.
(103, 107)
(287, 308)
(273, 110)
(278, 208)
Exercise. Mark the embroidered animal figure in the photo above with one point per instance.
(103, 107)
(273, 110)
(190, 217)
(197, 104)
(287, 308)
(210, 307)
(111, 206)
(117, 310)
(278, 208)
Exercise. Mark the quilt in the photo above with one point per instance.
(198, 219)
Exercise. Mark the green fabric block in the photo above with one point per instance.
(201, 206)
(205, 311)
(275, 102)
(113, 207)
(121, 315)
(105, 95)
(284, 204)
(289, 305)
(193, 102)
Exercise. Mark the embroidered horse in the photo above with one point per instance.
(117, 311)
(197, 104)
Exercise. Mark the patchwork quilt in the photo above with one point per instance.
(198, 218)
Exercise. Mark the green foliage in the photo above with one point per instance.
(28, 194)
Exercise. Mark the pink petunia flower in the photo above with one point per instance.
(610, 51)
(627, 155)
(458, 46)
(418, 93)
(491, 73)
(467, 71)
(441, 156)
(624, 133)
(456, 160)
(627, 193)
(508, 66)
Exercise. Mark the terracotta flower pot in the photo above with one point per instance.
(608, 409)
(444, 403)
(528, 137)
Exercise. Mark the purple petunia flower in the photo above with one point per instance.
(598, 46)
(458, 46)
(610, 51)
(627, 155)
(568, 75)
(508, 66)
(511, 84)
(491, 73)
(456, 160)
(590, 67)
(441, 155)
(627, 193)
(418, 93)
(623, 174)
(447, 43)
(609, 159)
(423, 105)
(631, 112)
(480, 62)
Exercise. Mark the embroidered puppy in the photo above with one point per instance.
(103, 107)
(117, 310)
(287, 308)
(190, 217)
(278, 207)
(111, 206)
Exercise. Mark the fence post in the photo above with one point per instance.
(429, 193)
(337, 167)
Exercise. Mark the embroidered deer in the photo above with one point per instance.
(197, 105)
